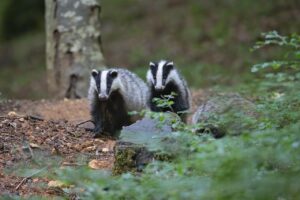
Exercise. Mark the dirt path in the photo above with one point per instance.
(33, 133)
(46, 131)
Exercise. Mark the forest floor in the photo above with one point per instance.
(35, 134)
(32, 130)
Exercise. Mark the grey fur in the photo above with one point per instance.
(130, 88)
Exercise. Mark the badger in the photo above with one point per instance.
(112, 94)
(163, 79)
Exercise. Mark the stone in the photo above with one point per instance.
(226, 114)
(137, 145)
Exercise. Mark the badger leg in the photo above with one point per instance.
(98, 126)
(181, 107)
(97, 119)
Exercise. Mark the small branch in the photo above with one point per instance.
(26, 178)
(21, 183)
(34, 118)
(30, 150)
(84, 122)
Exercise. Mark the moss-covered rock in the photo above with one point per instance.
(130, 157)
(138, 145)
(226, 114)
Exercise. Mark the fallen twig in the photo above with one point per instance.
(30, 150)
(84, 122)
(26, 178)
(34, 118)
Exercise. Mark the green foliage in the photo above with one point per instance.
(288, 67)
(166, 101)
(263, 164)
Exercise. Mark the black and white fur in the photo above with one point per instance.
(163, 79)
(112, 94)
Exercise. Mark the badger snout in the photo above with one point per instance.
(159, 88)
(103, 97)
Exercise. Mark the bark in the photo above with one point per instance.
(73, 45)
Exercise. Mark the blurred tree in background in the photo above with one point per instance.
(20, 17)
(208, 40)
(73, 46)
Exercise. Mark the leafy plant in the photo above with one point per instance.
(288, 67)
(166, 101)
(263, 164)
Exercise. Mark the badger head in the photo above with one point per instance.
(105, 82)
(159, 74)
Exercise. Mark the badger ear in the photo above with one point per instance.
(152, 64)
(170, 65)
(113, 73)
(94, 73)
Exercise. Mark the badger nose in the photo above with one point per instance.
(159, 88)
(103, 97)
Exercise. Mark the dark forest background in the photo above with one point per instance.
(208, 40)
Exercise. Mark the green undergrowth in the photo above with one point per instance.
(261, 164)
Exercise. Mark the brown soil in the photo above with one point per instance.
(33, 129)
(49, 131)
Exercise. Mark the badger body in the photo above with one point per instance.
(112, 94)
(164, 79)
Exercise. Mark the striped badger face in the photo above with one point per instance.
(105, 82)
(159, 74)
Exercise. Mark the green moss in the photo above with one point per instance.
(163, 156)
(124, 161)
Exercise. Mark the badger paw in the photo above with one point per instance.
(97, 131)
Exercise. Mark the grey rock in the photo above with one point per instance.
(227, 113)
(138, 144)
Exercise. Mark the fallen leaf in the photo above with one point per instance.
(12, 114)
(56, 184)
(97, 164)
(91, 148)
(99, 140)
(33, 145)
(21, 119)
(35, 180)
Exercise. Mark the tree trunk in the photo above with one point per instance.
(73, 45)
